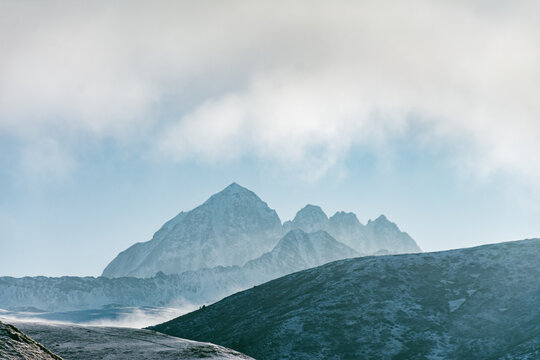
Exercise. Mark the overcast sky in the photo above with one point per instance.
(115, 116)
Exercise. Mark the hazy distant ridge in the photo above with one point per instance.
(231, 242)
(296, 251)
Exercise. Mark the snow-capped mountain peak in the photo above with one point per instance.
(233, 191)
(345, 219)
(230, 228)
(310, 218)
(234, 226)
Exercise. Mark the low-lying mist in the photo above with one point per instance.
(129, 317)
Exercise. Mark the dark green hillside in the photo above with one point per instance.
(477, 303)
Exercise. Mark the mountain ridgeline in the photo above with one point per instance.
(230, 243)
(235, 226)
(296, 251)
(379, 236)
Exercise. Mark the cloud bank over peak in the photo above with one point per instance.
(297, 84)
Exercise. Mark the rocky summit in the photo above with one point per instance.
(296, 251)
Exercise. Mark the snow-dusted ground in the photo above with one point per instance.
(477, 303)
(109, 343)
(15, 345)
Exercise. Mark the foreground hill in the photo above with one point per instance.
(295, 251)
(477, 303)
(15, 345)
(97, 343)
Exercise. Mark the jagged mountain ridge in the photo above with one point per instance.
(380, 236)
(296, 251)
(165, 288)
(476, 303)
(235, 226)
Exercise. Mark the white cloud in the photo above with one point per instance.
(298, 84)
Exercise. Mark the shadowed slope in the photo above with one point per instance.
(475, 303)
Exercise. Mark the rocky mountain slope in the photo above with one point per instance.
(235, 226)
(379, 236)
(109, 343)
(15, 345)
(295, 251)
(230, 228)
(476, 303)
